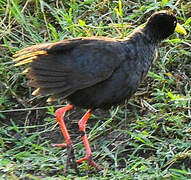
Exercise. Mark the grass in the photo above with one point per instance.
(148, 138)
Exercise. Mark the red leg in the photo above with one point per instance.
(59, 118)
(70, 150)
(82, 127)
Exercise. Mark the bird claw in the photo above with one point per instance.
(91, 162)
(71, 161)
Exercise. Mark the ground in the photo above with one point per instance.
(145, 138)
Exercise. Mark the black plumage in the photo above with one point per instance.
(96, 72)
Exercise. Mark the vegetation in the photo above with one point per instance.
(147, 138)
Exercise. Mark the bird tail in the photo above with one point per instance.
(31, 53)
(45, 71)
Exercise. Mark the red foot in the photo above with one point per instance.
(82, 127)
(70, 150)
(90, 161)
(68, 144)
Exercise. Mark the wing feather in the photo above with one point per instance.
(62, 68)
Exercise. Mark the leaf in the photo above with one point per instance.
(168, 74)
(156, 76)
(174, 41)
(188, 21)
(120, 9)
(171, 95)
(116, 10)
(81, 23)
(54, 33)
(164, 2)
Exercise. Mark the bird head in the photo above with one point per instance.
(163, 24)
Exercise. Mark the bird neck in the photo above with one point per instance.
(152, 35)
(146, 34)
(142, 47)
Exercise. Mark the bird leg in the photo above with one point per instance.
(70, 150)
(88, 157)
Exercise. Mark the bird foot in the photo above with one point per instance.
(90, 161)
(71, 161)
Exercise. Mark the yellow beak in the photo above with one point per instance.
(179, 29)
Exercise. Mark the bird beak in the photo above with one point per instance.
(179, 29)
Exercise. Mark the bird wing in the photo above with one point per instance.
(62, 68)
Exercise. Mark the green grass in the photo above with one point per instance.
(148, 138)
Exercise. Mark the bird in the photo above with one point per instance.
(94, 72)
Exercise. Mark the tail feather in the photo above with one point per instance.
(35, 49)
(46, 72)
(59, 95)
(25, 61)
(27, 57)
(46, 78)
(46, 84)
(48, 65)
(44, 91)
(19, 56)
